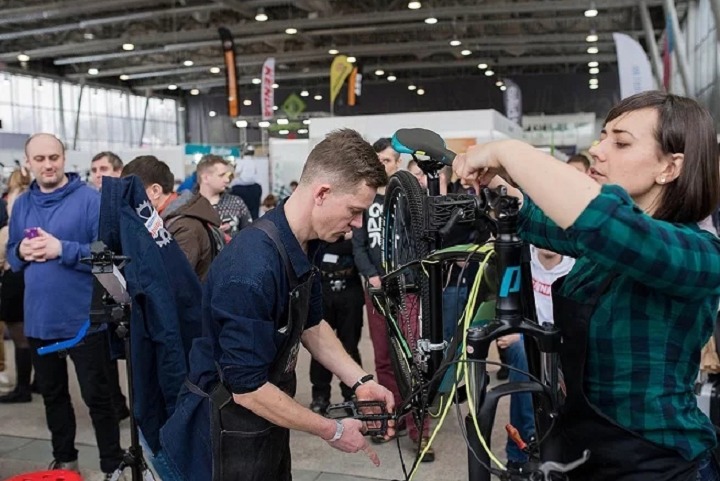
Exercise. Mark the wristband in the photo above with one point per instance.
(362, 380)
(339, 428)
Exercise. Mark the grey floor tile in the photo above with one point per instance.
(11, 443)
(304, 475)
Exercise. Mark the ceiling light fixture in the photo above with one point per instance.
(88, 36)
(256, 81)
(455, 42)
(302, 131)
(592, 50)
(214, 69)
(465, 52)
(283, 132)
(275, 107)
(318, 97)
(592, 11)
(594, 87)
(482, 66)
(391, 78)
(188, 63)
(275, 86)
(503, 87)
(304, 93)
(291, 31)
(194, 92)
(247, 102)
(379, 72)
(333, 51)
(499, 83)
(592, 37)
(23, 57)
(241, 124)
(489, 73)
(421, 91)
(431, 20)
(264, 124)
(283, 121)
(128, 47)
(261, 16)
(306, 122)
(93, 71)
(212, 113)
(351, 59)
(414, 5)
(594, 71)
(172, 87)
(411, 87)
(593, 81)
(124, 77)
(593, 64)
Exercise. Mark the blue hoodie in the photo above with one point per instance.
(57, 292)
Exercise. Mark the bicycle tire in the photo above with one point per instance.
(404, 241)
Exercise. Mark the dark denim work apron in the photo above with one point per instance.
(616, 453)
(245, 446)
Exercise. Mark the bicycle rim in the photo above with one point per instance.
(407, 293)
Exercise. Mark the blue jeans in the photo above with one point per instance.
(521, 407)
(708, 468)
(454, 300)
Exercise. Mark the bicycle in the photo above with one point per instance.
(415, 224)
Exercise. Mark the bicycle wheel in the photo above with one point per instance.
(407, 291)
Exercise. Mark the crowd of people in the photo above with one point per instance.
(618, 260)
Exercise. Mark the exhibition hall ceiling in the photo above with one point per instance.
(172, 46)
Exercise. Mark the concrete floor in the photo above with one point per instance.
(25, 446)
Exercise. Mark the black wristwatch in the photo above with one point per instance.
(362, 380)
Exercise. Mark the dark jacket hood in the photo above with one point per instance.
(199, 208)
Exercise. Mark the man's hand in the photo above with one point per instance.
(507, 341)
(352, 440)
(374, 281)
(372, 391)
(27, 249)
(49, 247)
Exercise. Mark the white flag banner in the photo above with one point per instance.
(513, 101)
(633, 66)
(267, 93)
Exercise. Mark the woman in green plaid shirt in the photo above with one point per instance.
(642, 298)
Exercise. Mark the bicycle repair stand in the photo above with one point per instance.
(115, 310)
(514, 313)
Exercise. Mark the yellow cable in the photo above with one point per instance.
(467, 313)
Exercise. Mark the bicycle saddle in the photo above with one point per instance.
(422, 142)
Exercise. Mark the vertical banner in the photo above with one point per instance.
(667, 55)
(354, 86)
(231, 79)
(633, 66)
(339, 71)
(512, 97)
(267, 93)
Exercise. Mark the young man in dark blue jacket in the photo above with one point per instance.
(51, 229)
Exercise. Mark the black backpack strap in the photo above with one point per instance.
(272, 232)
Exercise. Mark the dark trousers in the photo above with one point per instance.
(343, 310)
(51, 374)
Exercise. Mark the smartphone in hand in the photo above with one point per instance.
(31, 232)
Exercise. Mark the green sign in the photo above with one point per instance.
(293, 106)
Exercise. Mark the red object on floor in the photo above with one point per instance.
(55, 475)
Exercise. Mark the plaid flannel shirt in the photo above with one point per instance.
(647, 330)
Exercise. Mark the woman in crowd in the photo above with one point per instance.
(641, 299)
(12, 292)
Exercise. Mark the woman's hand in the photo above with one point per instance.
(482, 162)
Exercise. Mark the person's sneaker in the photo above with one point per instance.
(429, 455)
(502, 373)
(113, 477)
(16, 396)
(319, 405)
(5, 383)
(68, 466)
